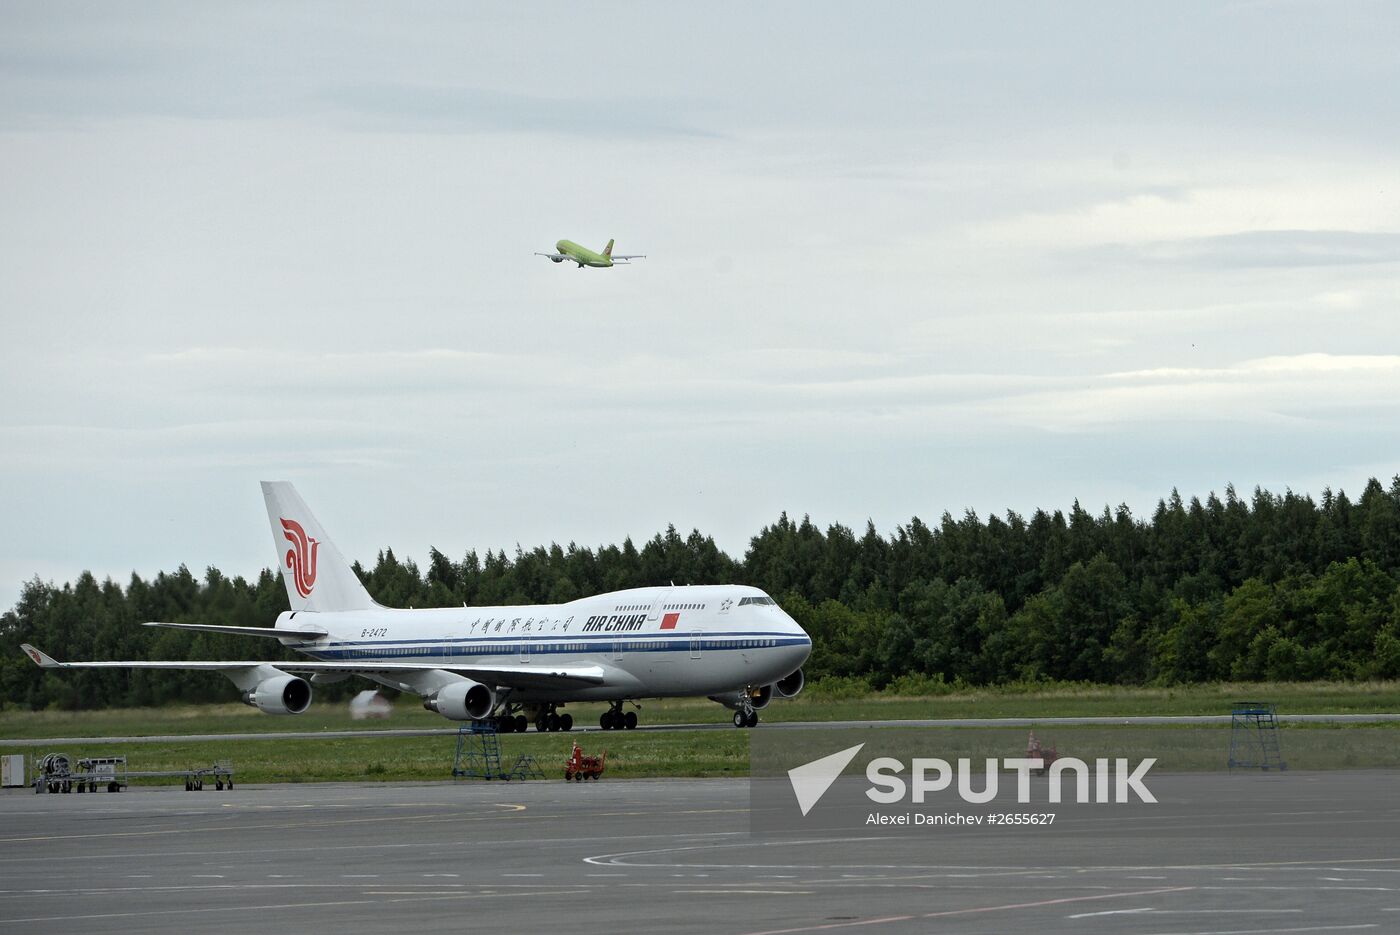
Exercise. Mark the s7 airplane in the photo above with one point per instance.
(516, 664)
(568, 250)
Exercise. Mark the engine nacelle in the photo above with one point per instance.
(758, 698)
(557, 259)
(462, 701)
(286, 694)
(791, 686)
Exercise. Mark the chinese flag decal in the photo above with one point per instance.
(669, 621)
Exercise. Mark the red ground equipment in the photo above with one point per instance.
(1035, 751)
(579, 767)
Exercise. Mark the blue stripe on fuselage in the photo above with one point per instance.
(497, 646)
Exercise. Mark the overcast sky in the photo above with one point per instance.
(902, 259)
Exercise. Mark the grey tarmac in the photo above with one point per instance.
(677, 856)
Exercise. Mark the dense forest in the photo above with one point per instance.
(1273, 587)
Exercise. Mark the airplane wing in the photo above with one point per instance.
(628, 256)
(521, 676)
(556, 256)
(300, 633)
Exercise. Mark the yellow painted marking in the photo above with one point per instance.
(346, 821)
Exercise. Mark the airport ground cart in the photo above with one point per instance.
(57, 773)
(579, 766)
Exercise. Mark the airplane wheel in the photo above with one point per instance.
(566, 722)
(521, 723)
(541, 723)
(751, 720)
(605, 720)
(629, 720)
(553, 721)
(739, 719)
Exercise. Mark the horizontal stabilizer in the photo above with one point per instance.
(299, 633)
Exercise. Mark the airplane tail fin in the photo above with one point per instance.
(317, 576)
(607, 251)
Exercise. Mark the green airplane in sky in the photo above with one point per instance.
(568, 250)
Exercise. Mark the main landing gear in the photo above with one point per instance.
(549, 719)
(509, 722)
(616, 719)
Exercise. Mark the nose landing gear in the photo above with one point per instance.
(745, 715)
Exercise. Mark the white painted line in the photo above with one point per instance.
(745, 892)
(1306, 928)
(1110, 912)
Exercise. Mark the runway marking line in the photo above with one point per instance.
(974, 910)
(744, 892)
(189, 911)
(436, 818)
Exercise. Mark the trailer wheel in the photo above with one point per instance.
(113, 787)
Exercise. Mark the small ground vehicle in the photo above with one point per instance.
(580, 766)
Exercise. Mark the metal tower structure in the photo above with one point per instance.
(1254, 737)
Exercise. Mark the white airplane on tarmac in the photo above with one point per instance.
(731, 643)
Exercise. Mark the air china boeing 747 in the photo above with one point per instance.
(731, 643)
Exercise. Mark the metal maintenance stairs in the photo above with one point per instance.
(1254, 737)
(479, 755)
(478, 751)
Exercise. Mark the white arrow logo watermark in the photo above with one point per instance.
(811, 780)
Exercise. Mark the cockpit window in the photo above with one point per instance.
(766, 601)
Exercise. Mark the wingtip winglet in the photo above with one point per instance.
(41, 659)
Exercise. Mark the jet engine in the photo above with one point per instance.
(791, 686)
(557, 259)
(758, 698)
(284, 694)
(462, 701)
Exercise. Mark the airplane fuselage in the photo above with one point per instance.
(582, 255)
(649, 642)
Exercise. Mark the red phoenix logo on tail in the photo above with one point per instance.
(301, 557)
